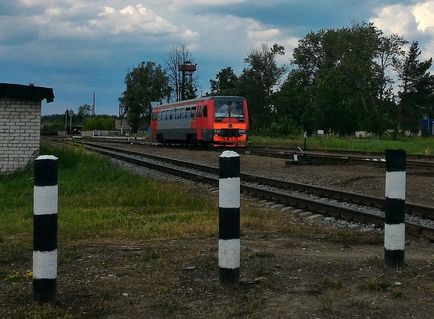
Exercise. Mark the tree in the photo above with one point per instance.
(343, 77)
(291, 103)
(183, 84)
(333, 73)
(416, 96)
(226, 83)
(257, 82)
(51, 124)
(390, 53)
(84, 111)
(99, 122)
(145, 83)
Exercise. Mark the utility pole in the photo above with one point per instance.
(70, 121)
(66, 121)
(94, 105)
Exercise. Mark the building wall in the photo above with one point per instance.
(122, 123)
(20, 123)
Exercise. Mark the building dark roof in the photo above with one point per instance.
(26, 92)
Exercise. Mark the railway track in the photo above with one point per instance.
(329, 158)
(314, 157)
(325, 201)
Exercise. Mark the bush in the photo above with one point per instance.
(99, 122)
(50, 129)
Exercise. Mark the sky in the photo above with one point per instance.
(78, 47)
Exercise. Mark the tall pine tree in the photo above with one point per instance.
(416, 93)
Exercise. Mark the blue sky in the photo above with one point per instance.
(78, 47)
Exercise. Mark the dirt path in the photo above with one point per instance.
(292, 273)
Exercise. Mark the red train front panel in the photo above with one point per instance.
(230, 121)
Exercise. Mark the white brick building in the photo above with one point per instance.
(20, 123)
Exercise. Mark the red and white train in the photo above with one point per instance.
(213, 120)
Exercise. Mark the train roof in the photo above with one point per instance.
(192, 101)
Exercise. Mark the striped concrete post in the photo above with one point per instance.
(229, 219)
(394, 228)
(45, 199)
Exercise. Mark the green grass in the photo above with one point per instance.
(99, 200)
(417, 145)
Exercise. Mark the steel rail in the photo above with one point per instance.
(411, 208)
(315, 157)
(211, 177)
(321, 158)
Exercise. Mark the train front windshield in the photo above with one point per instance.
(229, 109)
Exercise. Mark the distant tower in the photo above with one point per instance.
(93, 105)
(186, 70)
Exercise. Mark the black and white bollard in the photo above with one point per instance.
(394, 227)
(45, 202)
(229, 219)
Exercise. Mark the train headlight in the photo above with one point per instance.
(217, 132)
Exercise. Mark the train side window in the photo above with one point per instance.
(193, 111)
(205, 111)
(171, 114)
(187, 113)
(166, 115)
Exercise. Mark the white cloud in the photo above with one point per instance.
(75, 19)
(414, 21)
(233, 37)
(424, 15)
(197, 3)
(406, 20)
(80, 41)
(263, 35)
(132, 19)
(151, 21)
(395, 19)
